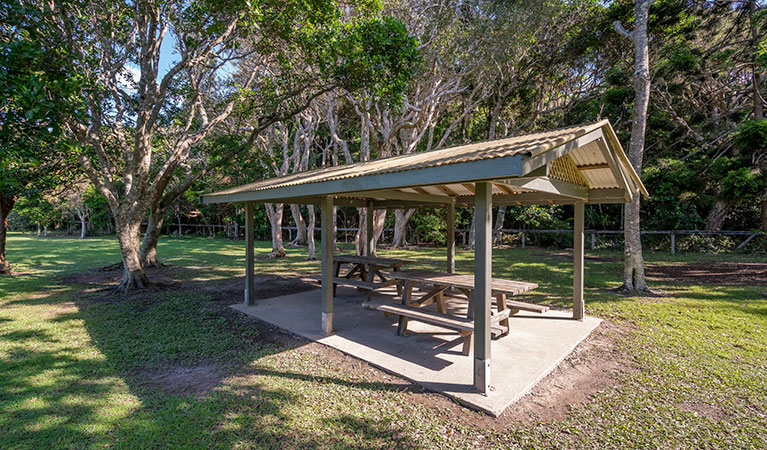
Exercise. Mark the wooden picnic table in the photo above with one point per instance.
(366, 272)
(440, 283)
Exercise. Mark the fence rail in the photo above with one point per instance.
(750, 235)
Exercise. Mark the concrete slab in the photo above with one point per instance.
(429, 355)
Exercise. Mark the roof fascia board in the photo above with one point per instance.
(486, 169)
(613, 138)
(615, 169)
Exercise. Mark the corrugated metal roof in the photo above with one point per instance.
(529, 145)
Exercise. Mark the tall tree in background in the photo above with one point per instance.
(633, 263)
(36, 94)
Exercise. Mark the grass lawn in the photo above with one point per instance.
(74, 365)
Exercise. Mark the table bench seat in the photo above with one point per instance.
(465, 327)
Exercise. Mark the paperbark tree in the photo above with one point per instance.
(143, 140)
(633, 262)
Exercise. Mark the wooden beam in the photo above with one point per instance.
(593, 166)
(549, 185)
(505, 189)
(483, 268)
(471, 188)
(451, 238)
(394, 194)
(250, 283)
(446, 190)
(326, 210)
(578, 305)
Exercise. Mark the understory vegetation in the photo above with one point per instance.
(85, 368)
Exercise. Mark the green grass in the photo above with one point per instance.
(71, 370)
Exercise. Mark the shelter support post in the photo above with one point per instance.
(369, 233)
(483, 253)
(578, 306)
(326, 210)
(250, 284)
(451, 237)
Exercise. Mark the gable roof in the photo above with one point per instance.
(558, 166)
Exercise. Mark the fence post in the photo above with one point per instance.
(593, 240)
(673, 243)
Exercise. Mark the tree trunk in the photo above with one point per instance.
(6, 205)
(39, 229)
(401, 217)
(82, 225)
(500, 217)
(379, 218)
(151, 237)
(274, 212)
(298, 218)
(310, 233)
(45, 230)
(129, 238)
(633, 263)
(361, 237)
(472, 235)
(718, 214)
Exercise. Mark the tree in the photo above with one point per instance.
(242, 66)
(37, 93)
(633, 263)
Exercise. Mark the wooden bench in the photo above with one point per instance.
(464, 326)
(440, 283)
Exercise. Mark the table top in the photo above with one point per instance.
(462, 281)
(371, 260)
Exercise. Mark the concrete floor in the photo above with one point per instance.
(429, 355)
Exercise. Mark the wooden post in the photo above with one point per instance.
(326, 210)
(250, 285)
(483, 267)
(370, 232)
(578, 307)
(451, 238)
(673, 243)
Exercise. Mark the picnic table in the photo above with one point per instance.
(439, 284)
(366, 272)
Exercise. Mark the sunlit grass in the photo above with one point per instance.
(71, 371)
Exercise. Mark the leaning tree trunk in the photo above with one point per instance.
(129, 238)
(151, 238)
(717, 215)
(401, 217)
(633, 263)
(6, 205)
(300, 239)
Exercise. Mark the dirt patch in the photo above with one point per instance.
(703, 409)
(183, 380)
(719, 273)
(596, 364)
(99, 285)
